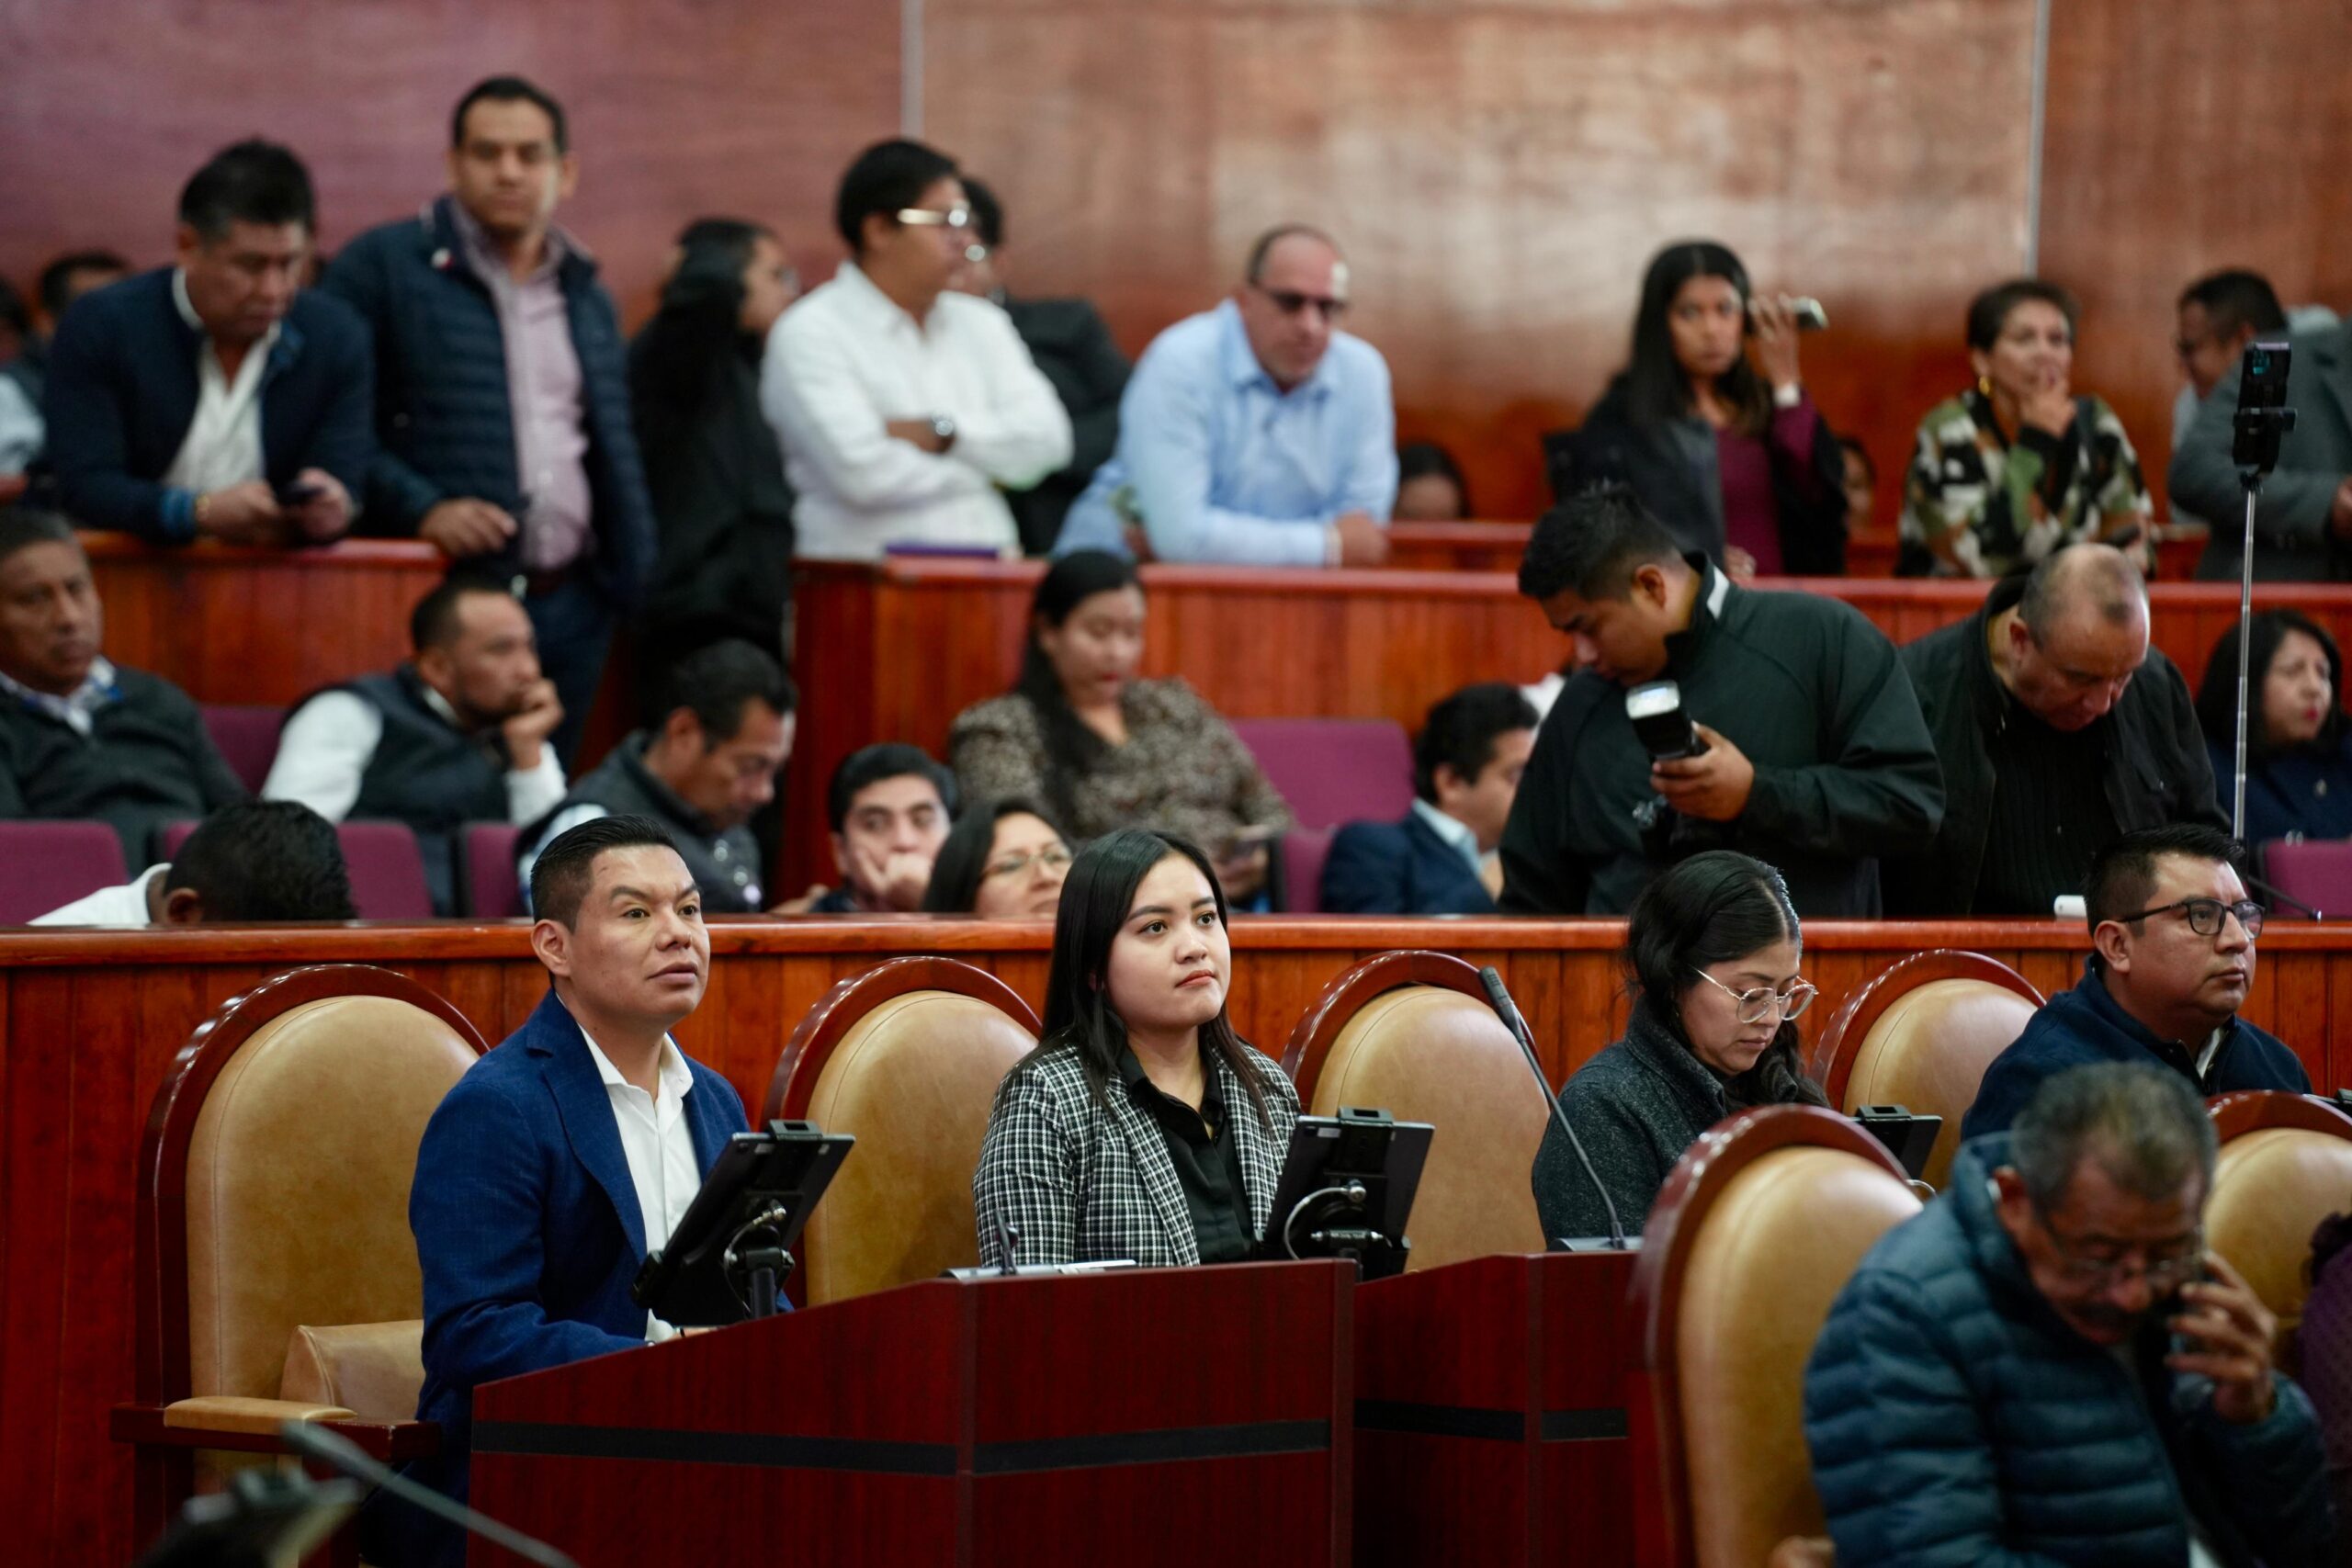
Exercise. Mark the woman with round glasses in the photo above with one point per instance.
(1003, 861)
(1712, 949)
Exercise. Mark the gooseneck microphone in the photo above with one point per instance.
(338, 1452)
(1508, 1010)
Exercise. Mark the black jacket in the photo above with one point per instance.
(147, 763)
(1073, 348)
(1672, 467)
(2157, 767)
(720, 501)
(1809, 691)
(122, 390)
(443, 422)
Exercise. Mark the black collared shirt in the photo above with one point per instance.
(2050, 811)
(1208, 1165)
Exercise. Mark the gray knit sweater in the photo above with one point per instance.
(1635, 1107)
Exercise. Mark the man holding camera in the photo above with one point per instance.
(1810, 752)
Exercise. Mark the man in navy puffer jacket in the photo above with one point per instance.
(2045, 1367)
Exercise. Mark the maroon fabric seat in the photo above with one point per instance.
(386, 868)
(492, 890)
(2315, 871)
(1304, 850)
(1334, 771)
(247, 737)
(51, 863)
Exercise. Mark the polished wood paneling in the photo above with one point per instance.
(940, 1423)
(2214, 134)
(678, 109)
(1500, 174)
(232, 625)
(93, 1020)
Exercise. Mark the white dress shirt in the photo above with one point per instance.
(659, 1147)
(325, 749)
(846, 360)
(119, 908)
(223, 443)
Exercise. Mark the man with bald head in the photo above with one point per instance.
(2059, 729)
(1256, 433)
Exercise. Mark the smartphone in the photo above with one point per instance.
(2263, 414)
(1665, 730)
(1803, 309)
(300, 494)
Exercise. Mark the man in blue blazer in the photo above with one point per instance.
(216, 398)
(565, 1155)
(1466, 765)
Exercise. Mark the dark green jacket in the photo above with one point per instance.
(1814, 697)
(2157, 772)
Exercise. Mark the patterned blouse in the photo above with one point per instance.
(1995, 506)
(1182, 770)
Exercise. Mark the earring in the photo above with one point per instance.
(1984, 386)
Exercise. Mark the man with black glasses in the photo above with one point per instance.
(2173, 934)
(1254, 433)
(2048, 1365)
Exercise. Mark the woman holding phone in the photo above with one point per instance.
(1142, 1126)
(1711, 423)
(1101, 749)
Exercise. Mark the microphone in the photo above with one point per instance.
(1008, 1236)
(1508, 1010)
(2277, 897)
(338, 1452)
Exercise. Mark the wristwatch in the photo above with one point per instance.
(944, 428)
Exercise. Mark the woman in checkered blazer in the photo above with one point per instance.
(1142, 1127)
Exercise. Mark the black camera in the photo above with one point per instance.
(1664, 729)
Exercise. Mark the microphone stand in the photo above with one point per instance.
(1508, 1010)
(2256, 432)
(337, 1452)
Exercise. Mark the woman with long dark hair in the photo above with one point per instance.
(1004, 860)
(1711, 952)
(2021, 465)
(1710, 422)
(2298, 751)
(1142, 1126)
(1100, 748)
(712, 465)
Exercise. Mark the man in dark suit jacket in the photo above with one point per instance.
(1073, 348)
(564, 1156)
(214, 398)
(501, 396)
(1466, 764)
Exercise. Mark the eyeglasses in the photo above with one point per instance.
(1053, 859)
(957, 218)
(1757, 1005)
(1290, 302)
(2205, 915)
(2163, 1271)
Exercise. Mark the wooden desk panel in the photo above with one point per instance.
(895, 651)
(89, 1022)
(229, 624)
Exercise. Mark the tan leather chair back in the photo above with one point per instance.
(298, 1177)
(2271, 1189)
(913, 1081)
(1929, 1050)
(1775, 1248)
(1426, 1053)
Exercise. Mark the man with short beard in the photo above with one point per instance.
(2173, 934)
(457, 735)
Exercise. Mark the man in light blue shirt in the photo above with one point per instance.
(1256, 433)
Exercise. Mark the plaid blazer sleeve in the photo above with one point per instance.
(1025, 1188)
